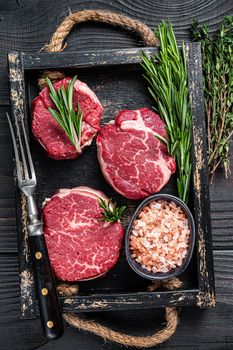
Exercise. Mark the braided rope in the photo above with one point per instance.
(171, 316)
(56, 43)
(115, 19)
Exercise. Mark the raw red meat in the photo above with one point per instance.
(80, 246)
(132, 159)
(50, 134)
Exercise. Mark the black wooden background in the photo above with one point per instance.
(26, 25)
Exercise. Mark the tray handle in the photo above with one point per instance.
(158, 337)
(112, 18)
(57, 44)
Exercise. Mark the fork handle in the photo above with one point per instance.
(50, 311)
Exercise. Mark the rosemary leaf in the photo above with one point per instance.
(111, 212)
(166, 74)
(65, 115)
(161, 139)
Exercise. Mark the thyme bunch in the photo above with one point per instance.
(217, 62)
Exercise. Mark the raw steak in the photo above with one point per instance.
(50, 134)
(132, 159)
(80, 246)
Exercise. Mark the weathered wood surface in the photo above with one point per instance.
(105, 71)
(84, 59)
(200, 177)
(212, 327)
(26, 25)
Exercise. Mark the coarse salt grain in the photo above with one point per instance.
(160, 237)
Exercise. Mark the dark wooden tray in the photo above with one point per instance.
(116, 78)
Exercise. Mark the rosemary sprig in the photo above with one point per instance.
(166, 73)
(69, 120)
(217, 62)
(111, 212)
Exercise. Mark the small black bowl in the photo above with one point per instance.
(160, 276)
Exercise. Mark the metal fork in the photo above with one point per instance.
(50, 312)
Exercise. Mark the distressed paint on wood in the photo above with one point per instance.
(84, 59)
(126, 58)
(206, 295)
(81, 303)
(17, 95)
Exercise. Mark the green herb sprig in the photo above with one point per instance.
(111, 212)
(217, 62)
(166, 73)
(69, 120)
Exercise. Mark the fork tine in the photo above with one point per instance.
(19, 172)
(30, 162)
(25, 167)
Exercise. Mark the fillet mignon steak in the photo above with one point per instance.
(132, 159)
(80, 246)
(50, 134)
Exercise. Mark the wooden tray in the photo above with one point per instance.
(116, 77)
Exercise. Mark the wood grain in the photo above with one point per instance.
(8, 242)
(26, 25)
(205, 323)
(32, 25)
(9, 287)
(197, 330)
(221, 199)
(106, 70)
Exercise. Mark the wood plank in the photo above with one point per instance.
(223, 261)
(8, 240)
(201, 196)
(197, 330)
(221, 198)
(202, 271)
(221, 195)
(15, 333)
(84, 59)
(29, 29)
(213, 327)
(13, 5)
(9, 287)
(129, 301)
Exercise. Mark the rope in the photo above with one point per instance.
(56, 43)
(171, 316)
(115, 19)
